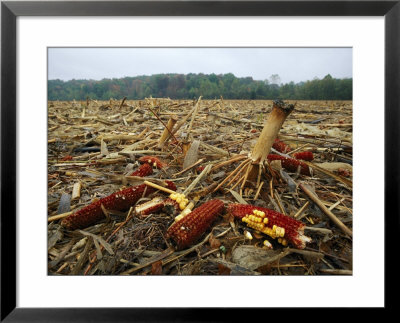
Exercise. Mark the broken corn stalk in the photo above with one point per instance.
(187, 230)
(291, 164)
(272, 223)
(118, 201)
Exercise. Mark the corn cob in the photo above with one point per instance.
(153, 161)
(152, 206)
(143, 171)
(291, 164)
(272, 223)
(172, 205)
(175, 203)
(187, 230)
(281, 146)
(119, 201)
(304, 155)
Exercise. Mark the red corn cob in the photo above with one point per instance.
(154, 161)
(171, 207)
(281, 146)
(143, 171)
(294, 230)
(291, 164)
(118, 201)
(187, 230)
(152, 206)
(304, 155)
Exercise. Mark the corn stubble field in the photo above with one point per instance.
(284, 216)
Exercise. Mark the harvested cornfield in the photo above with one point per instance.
(153, 187)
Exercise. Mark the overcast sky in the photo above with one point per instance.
(291, 64)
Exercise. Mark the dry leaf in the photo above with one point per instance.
(156, 268)
(214, 242)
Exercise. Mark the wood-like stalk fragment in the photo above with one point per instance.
(167, 131)
(161, 188)
(76, 191)
(324, 209)
(276, 118)
(182, 122)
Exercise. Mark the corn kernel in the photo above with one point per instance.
(182, 205)
(265, 220)
(173, 196)
(267, 244)
(248, 235)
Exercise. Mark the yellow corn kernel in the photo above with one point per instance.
(284, 242)
(260, 214)
(269, 232)
(282, 232)
(258, 226)
(265, 220)
(267, 244)
(248, 235)
(253, 218)
(178, 199)
(173, 196)
(182, 205)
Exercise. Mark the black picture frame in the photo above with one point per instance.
(10, 10)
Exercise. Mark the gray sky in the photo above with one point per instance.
(292, 64)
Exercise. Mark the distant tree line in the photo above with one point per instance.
(211, 86)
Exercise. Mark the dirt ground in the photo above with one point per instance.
(94, 146)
